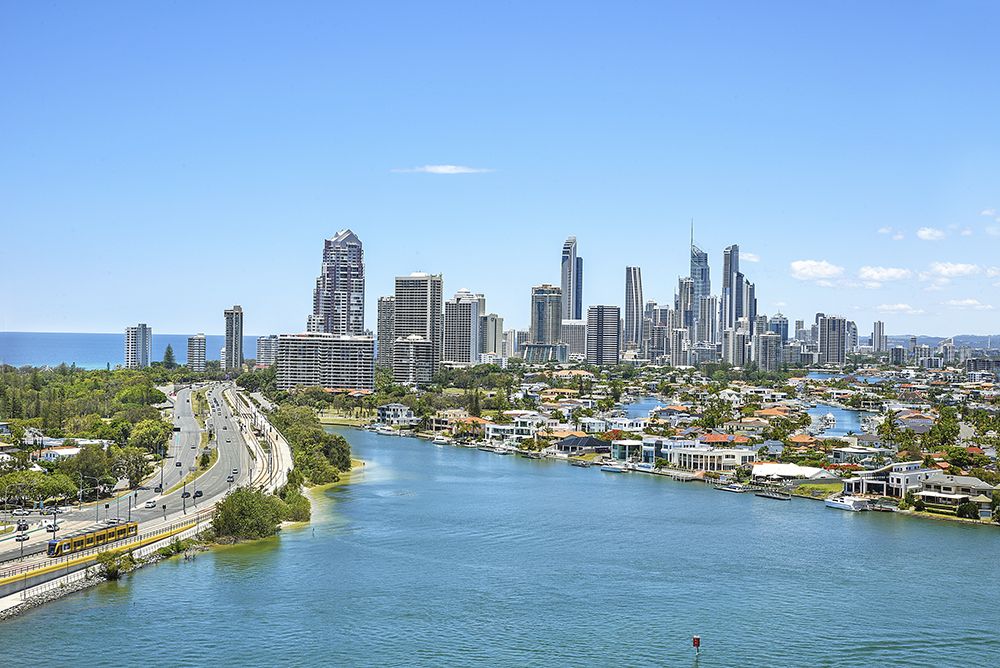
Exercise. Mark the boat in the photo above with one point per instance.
(850, 503)
(530, 455)
(386, 431)
(734, 487)
(502, 451)
(773, 494)
(486, 447)
(613, 468)
(582, 463)
(441, 440)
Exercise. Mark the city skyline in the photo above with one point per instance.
(869, 215)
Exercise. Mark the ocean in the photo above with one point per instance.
(97, 351)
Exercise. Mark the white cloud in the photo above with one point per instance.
(968, 305)
(930, 234)
(988, 212)
(749, 257)
(966, 232)
(992, 272)
(902, 309)
(994, 230)
(954, 269)
(443, 169)
(811, 270)
(896, 235)
(881, 274)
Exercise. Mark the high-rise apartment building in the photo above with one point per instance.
(339, 296)
(461, 327)
(880, 343)
(234, 338)
(767, 351)
(418, 314)
(603, 335)
(571, 272)
(708, 320)
(546, 326)
(196, 353)
(574, 335)
(735, 347)
(832, 331)
(330, 361)
(779, 325)
(679, 347)
(491, 335)
(267, 350)
(138, 346)
(633, 307)
(700, 273)
(686, 306)
(730, 290)
(385, 331)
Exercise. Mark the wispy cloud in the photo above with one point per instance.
(902, 309)
(442, 169)
(988, 212)
(954, 269)
(930, 234)
(882, 274)
(968, 305)
(812, 270)
(749, 257)
(897, 235)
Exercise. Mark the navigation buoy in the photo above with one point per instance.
(696, 643)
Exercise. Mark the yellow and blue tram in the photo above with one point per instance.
(87, 539)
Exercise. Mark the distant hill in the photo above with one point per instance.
(971, 340)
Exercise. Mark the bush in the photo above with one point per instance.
(968, 510)
(248, 514)
(115, 564)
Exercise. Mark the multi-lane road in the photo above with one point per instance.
(167, 506)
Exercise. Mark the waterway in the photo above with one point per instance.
(446, 556)
(848, 420)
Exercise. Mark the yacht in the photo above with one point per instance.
(733, 487)
(851, 503)
(441, 440)
(613, 468)
(773, 494)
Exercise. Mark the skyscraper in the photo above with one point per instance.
(234, 338)
(386, 326)
(418, 314)
(491, 334)
(779, 325)
(138, 346)
(461, 327)
(832, 340)
(571, 271)
(339, 296)
(700, 273)
(196, 352)
(679, 347)
(879, 341)
(633, 307)
(545, 338)
(767, 351)
(331, 361)
(574, 335)
(730, 291)
(686, 306)
(708, 320)
(603, 335)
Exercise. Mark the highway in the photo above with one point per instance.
(182, 455)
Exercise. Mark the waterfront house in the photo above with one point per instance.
(625, 449)
(635, 425)
(396, 415)
(775, 471)
(592, 425)
(858, 455)
(699, 457)
(574, 446)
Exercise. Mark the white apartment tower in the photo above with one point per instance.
(138, 346)
(196, 353)
(462, 315)
(386, 327)
(417, 313)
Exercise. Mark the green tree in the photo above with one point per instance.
(130, 463)
(248, 514)
(150, 435)
(168, 358)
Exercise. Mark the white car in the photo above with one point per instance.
(151, 504)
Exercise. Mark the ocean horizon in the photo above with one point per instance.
(97, 350)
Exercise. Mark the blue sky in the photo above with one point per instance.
(161, 163)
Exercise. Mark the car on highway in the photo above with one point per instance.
(194, 447)
(22, 526)
(112, 521)
(186, 495)
(236, 471)
(20, 512)
(199, 494)
(158, 489)
(151, 504)
(178, 464)
(52, 527)
(20, 538)
(230, 479)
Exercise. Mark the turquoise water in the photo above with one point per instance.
(445, 556)
(95, 351)
(847, 420)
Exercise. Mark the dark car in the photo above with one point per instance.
(178, 464)
(199, 494)
(186, 495)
